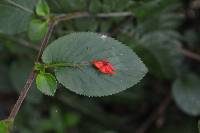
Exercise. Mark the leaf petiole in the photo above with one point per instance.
(42, 67)
(53, 65)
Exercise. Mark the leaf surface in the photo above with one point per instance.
(42, 8)
(37, 29)
(186, 93)
(46, 83)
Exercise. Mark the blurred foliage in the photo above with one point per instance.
(187, 88)
(15, 18)
(156, 31)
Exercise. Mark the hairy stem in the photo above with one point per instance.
(32, 75)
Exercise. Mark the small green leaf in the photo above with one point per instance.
(42, 8)
(37, 29)
(5, 126)
(186, 94)
(84, 47)
(46, 83)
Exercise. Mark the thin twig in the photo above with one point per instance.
(22, 96)
(74, 15)
(160, 110)
(189, 54)
(46, 39)
(114, 14)
(32, 75)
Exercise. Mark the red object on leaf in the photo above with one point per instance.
(104, 66)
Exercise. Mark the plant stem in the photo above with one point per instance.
(22, 96)
(32, 75)
(46, 39)
(189, 54)
(74, 15)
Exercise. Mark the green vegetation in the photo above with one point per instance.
(152, 44)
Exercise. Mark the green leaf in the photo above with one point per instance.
(82, 48)
(5, 126)
(37, 29)
(42, 8)
(46, 83)
(186, 94)
(15, 15)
